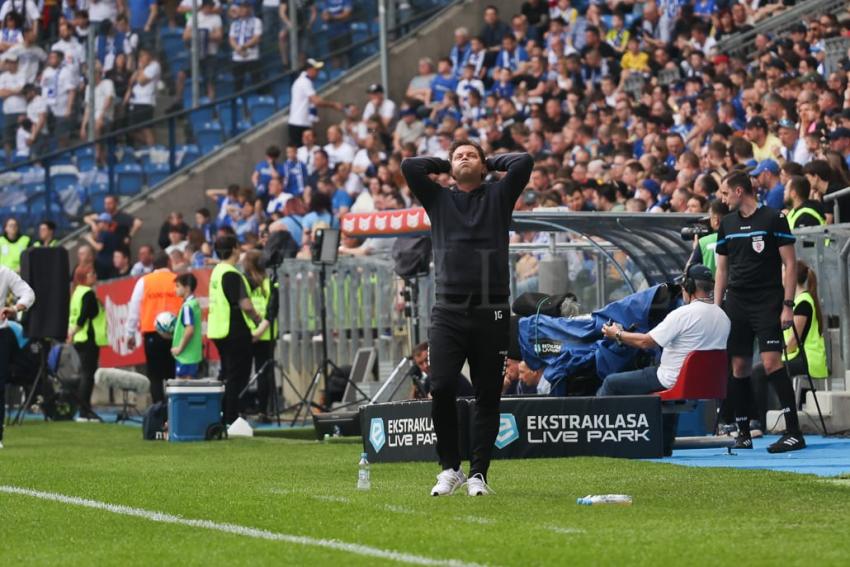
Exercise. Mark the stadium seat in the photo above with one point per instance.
(261, 108)
(702, 377)
(187, 154)
(224, 86)
(125, 156)
(61, 181)
(198, 118)
(283, 100)
(20, 212)
(282, 87)
(33, 188)
(155, 173)
(130, 179)
(243, 125)
(171, 41)
(225, 114)
(63, 159)
(209, 137)
(86, 161)
(95, 195)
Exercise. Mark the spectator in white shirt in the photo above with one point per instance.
(104, 99)
(11, 34)
(306, 152)
(141, 95)
(74, 54)
(22, 139)
(303, 108)
(245, 35)
(14, 104)
(27, 8)
(37, 114)
(468, 82)
(100, 10)
(30, 56)
(145, 263)
(209, 22)
(60, 82)
(336, 148)
(380, 105)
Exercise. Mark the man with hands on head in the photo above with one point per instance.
(470, 223)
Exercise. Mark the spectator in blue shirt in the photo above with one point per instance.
(143, 15)
(337, 17)
(266, 170)
(295, 172)
(319, 212)
(445, 80)
(460, 51)
(503, 87)
(766, 176)
(512, 56)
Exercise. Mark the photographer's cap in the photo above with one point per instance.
(700, 272)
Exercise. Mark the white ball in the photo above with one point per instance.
(165, 322)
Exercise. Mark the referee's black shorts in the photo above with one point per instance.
(754, 315)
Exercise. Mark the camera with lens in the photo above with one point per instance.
(699, 229)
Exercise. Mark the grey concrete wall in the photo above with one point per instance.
(235, 163)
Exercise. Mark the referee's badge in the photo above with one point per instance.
(758, 244)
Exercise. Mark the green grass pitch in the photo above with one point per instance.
(680, 516)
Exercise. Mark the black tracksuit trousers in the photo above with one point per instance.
(479, 332)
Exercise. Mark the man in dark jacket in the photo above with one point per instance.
(470, 321)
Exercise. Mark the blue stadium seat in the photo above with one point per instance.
(19, 212)
(144, 156)
(156, 173)
(261, 108)
(243, 125)
(283, 100)
(225, 114)
(171, 41)
(62, 181)
(85, 159)
(224, 86)
(95, 195)
(62, 159)
(282, 87)
(198, 118)
(127, 156)
(209, 137)
(31, 189)
(189, 154)
(130, 179)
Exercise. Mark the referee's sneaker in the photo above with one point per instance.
(753, 245)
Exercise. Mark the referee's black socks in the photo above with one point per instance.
(785, 392)
(741, 394)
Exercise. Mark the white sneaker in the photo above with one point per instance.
(447, 482)
(477, 486)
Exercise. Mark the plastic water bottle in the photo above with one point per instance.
(364, 480)
(599, 499)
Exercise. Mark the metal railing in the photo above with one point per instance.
(360, 296)
(741, 43)
(833, 198)
(41, 200)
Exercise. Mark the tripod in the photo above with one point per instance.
(321, 371)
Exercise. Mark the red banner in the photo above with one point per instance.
(386, 223)
(115, 297)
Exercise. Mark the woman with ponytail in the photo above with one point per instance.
(808, 328)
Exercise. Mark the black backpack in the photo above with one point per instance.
(153, 424)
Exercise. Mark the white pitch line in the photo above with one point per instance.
(162, 517)
(559, 530)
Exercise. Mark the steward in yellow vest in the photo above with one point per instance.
(87, 332)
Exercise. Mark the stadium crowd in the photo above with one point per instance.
(624, 107)
(44, 66)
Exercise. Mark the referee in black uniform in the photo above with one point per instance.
(470, 321)
(753, 245)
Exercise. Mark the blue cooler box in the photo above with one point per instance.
(193, 406)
